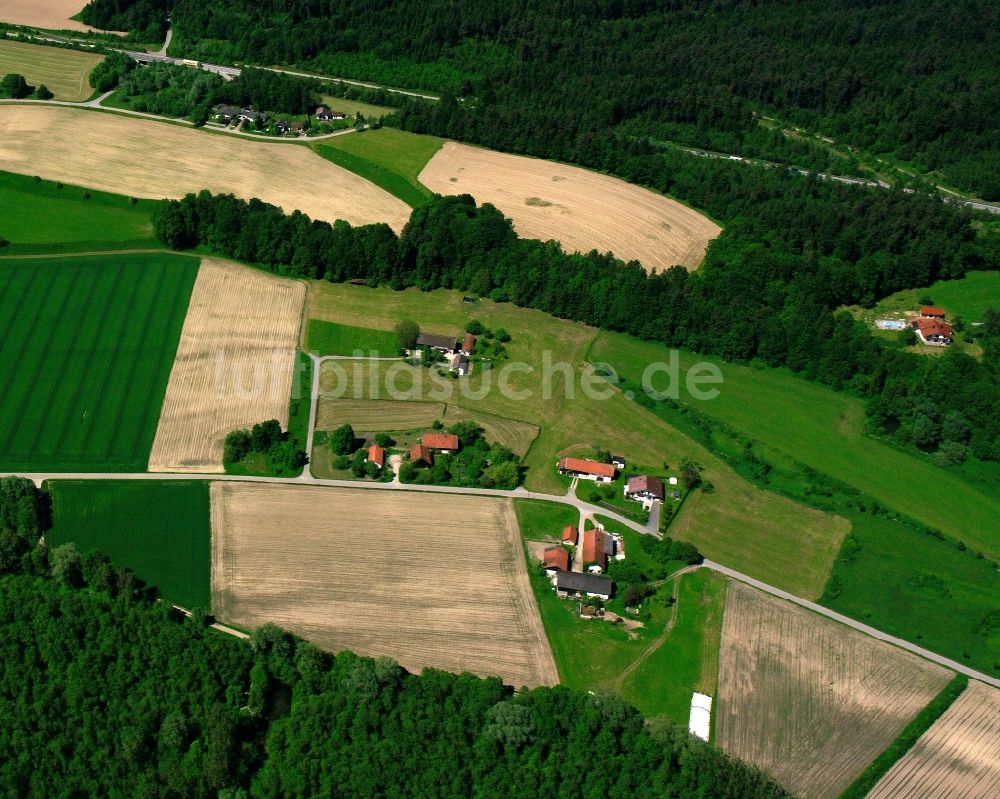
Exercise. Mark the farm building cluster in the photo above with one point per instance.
(929, 323)
(456, 355)
(431, 443)
(642, 488)
(233, 115)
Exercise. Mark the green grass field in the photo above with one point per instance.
(825, 430)
(64, 72)
(539, 520)
(301, 399)
(36, 216)
(87, 348)
(330, 338)
(353, 107)
(387, 157)
(158, 528)
(915, 586)
(967, 297)
(768, 536)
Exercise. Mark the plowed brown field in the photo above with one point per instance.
(583, 210)
(957, 758)
(233, 367)
(146, 158)
(807, 699)
(429, 580)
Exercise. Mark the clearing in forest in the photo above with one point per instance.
(147, 158)
(957, 758)
(234, 364)
(429, 580)
(583, 210)
(51, 14)
(808, 700)
(63, 71)
(86, 345)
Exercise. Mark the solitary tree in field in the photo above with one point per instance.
(690, 474)
(43, 93)
(407, 332)
(15, 86)
(342, 440)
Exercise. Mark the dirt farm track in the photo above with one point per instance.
(429, 580)
(150, 159)
(583, 210)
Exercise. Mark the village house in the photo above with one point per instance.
(556, 559)
(324, 114)
(445, 344)
(587, 470)
(459, 364)
(468, 344)
(569, 534)
(227, 113)
(933, 331)
(421, 454)
(618, 461)
(282, 126)
(249, 115)
(644, 488)
(595, 548)
(576, 584)
(440, 442)
(376, 455)
(932, 312)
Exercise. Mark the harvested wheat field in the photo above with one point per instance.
(233, 367)
(957, 758)
(146, 158)
(584, 210)
(51, 14)
(426, 579)
(809, 700)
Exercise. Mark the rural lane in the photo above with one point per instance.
(954, 665)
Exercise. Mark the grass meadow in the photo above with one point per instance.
(387, 157)
(967, 297)
(159, 529)
(825, 431)
(300, 402)
(64, 72)
(775, 539)
(354, 107)
(330, 338)
(37, 216)
(87, 348)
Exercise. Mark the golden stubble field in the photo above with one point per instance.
(429, 580)
(583, 210)
(151, 159)
(52, 14)
(808, 700)
(957, 758)
(63, 72)
(233, 366)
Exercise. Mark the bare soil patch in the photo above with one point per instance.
(233, 367)
(150, 159)
(429, 580)
(957, 758)
(583, 210)
(809, 700)
(51, 14)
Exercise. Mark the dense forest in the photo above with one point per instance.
(769, 289)
(106, 692)
(915, 81)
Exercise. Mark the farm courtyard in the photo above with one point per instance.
(427, 580)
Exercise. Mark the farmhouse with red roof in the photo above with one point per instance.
(440, 442)
(588, 470)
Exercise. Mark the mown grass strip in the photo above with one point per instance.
(911, 733)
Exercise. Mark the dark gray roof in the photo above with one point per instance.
(588, 583)
(228, 110)
(431, 340)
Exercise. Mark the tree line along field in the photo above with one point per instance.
(782, 542)
(64, 72)
(811, 701)
(583, 210)
(428, 580)
(87, 346)
(152, 159)
(957, 758)
(159, 529)
(42, 216)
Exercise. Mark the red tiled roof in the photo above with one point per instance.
(557, 558)
(569, 533)
(587, 467)
(593, 548)
(440, 440)
(468, 342)
(421, 454)
(376, 455)
(931, 310)
(932, 327)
